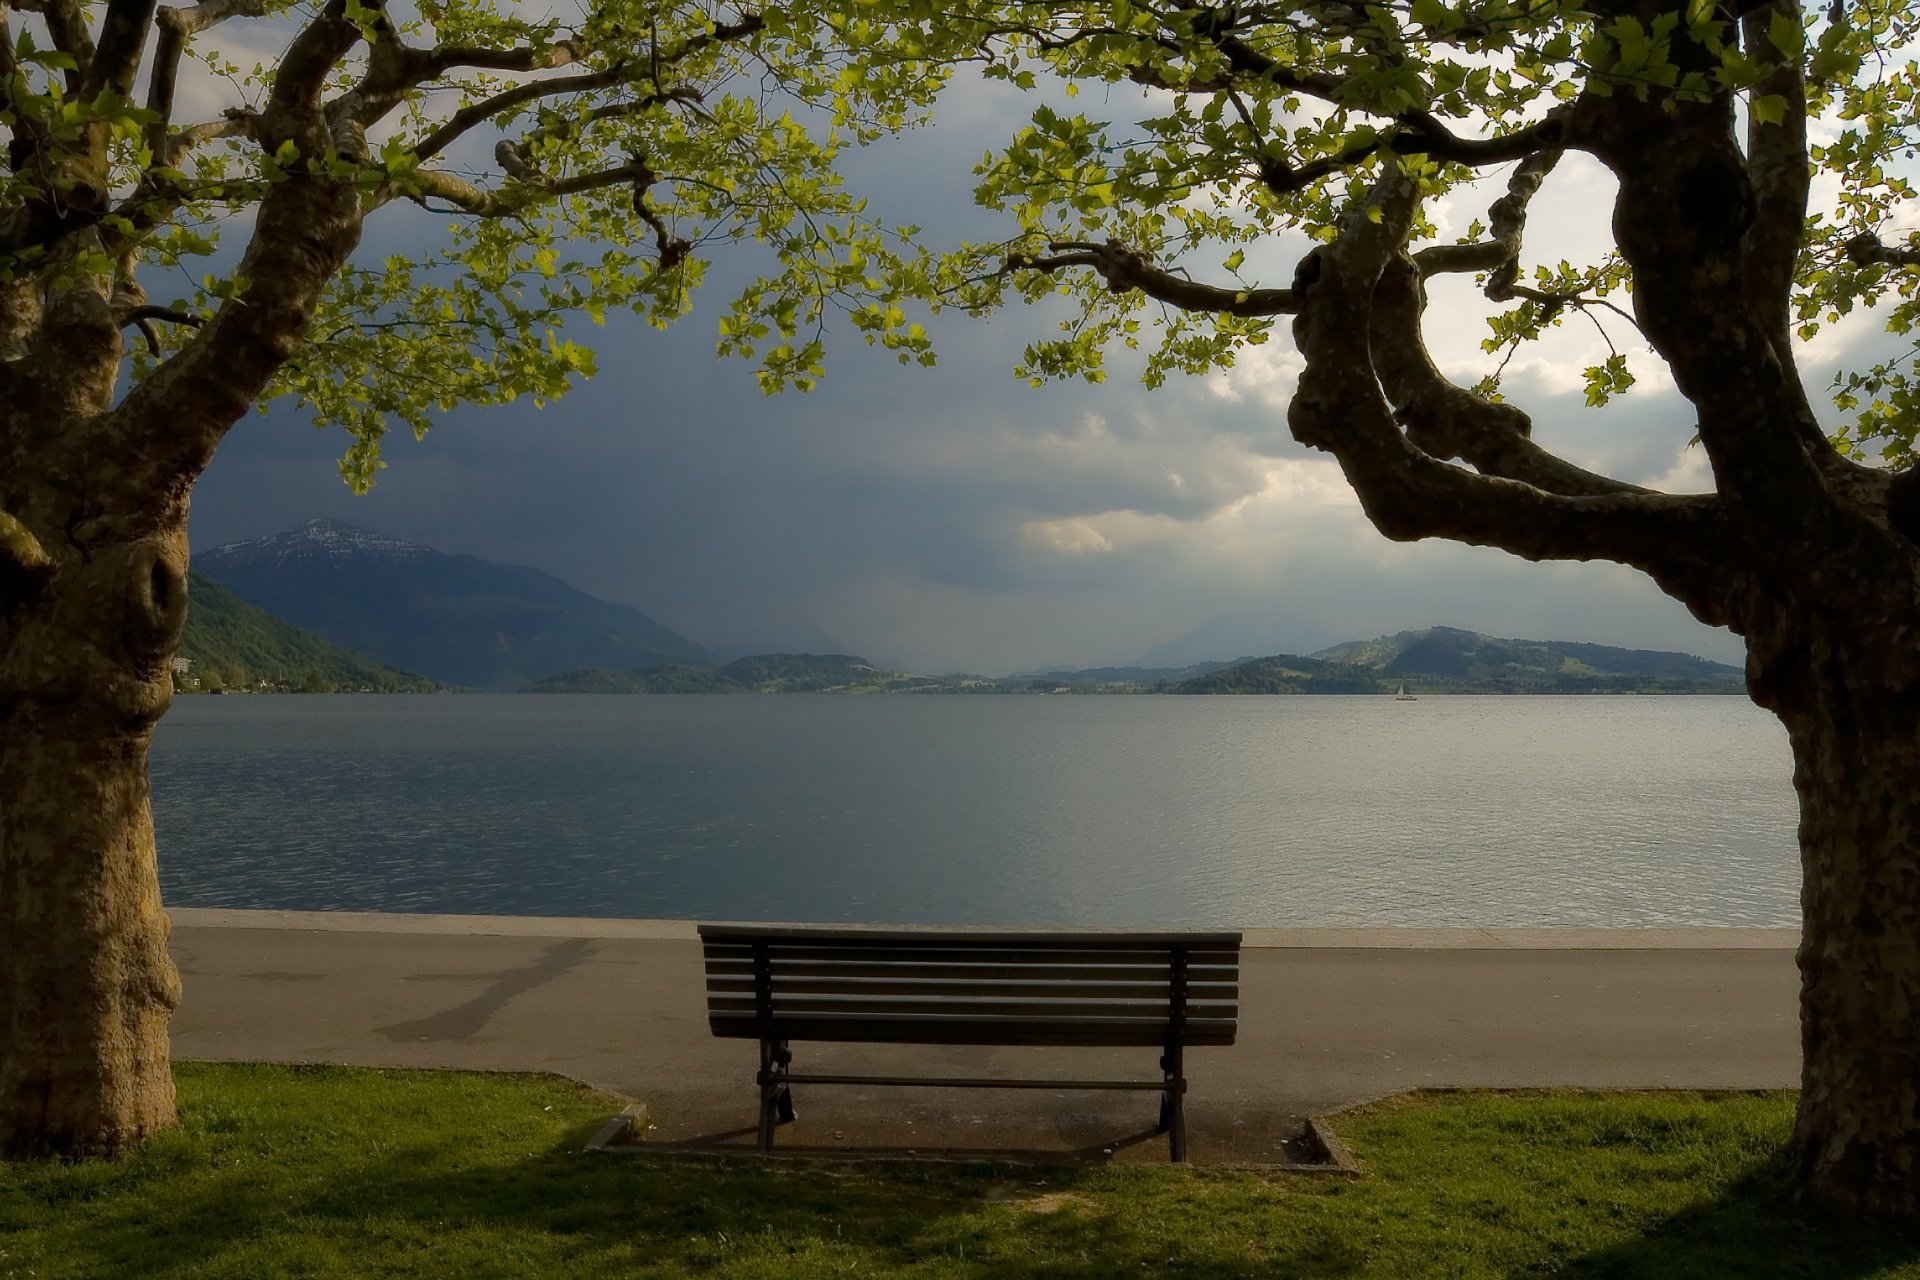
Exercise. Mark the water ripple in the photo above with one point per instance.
(1072, 810)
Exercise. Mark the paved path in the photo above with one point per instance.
(1328, 1018)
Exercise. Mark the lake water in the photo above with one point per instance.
(1247, 811)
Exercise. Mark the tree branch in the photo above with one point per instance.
(144, 315)
(293, 105)
(116, 61)
(1419, 132)
(475, 114)
(1409, 494)
(1507, 219)
(20, 551)
(67, 26)
(1781, 176)
(1124, 268)
(1865, 250)
(1690, 298)
(463, 195)
(170, 423)
(177, 26)
(1446, 420)
(238, 122)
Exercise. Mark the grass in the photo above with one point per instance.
(330, 1172)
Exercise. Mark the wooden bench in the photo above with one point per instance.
(783, 983)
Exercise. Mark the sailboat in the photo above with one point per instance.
(1403, 695)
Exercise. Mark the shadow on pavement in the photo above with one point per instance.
(465, 1020)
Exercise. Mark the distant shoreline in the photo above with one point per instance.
(1456, 938)
(1080, 691)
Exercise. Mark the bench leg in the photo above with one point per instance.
(1173, 1106)
(764, 1138)
(776, 1096)
(783, 1103)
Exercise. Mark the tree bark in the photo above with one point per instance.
(86, 984)
(1847, 696)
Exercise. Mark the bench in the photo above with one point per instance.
(784, 983)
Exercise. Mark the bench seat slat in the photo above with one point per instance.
(749, 932)
(877, 967)
(1011, 1010)
(887, 986)
(963, 955)
(1093, 1032)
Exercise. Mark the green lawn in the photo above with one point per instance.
(329, 1172)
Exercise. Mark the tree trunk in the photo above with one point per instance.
(1848, 703)
(86, 984)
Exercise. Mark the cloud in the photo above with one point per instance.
(955, 519)
(1067, 537)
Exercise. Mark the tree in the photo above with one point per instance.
(584, 168)
(1330, 130)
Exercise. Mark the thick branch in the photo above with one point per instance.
(172, 421)
(303, 74)
(1681, 218)
(20, 551)
(1124, 268)
(1446, 420)
(1409, 494)
(123, 36)
(1777, 163)
(67, 26)
(1419, 132)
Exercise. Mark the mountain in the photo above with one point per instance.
(455, 618)
(1452, 653)
(759, 673)
(1246, 632)
(232, 644)
(1450, 660)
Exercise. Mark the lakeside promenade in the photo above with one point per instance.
(1329, 1017)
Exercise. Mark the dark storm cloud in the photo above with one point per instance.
(950, 518)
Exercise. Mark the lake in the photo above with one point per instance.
(1077, 810)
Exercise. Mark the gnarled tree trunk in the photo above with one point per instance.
(93, 595)
(86, 984)
(1847, 694)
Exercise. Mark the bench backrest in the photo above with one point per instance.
(1091, 987)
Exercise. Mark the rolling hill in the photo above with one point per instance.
(1452, 660)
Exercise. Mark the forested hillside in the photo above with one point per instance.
(232, 645)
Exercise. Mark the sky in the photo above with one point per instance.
(955, 519)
